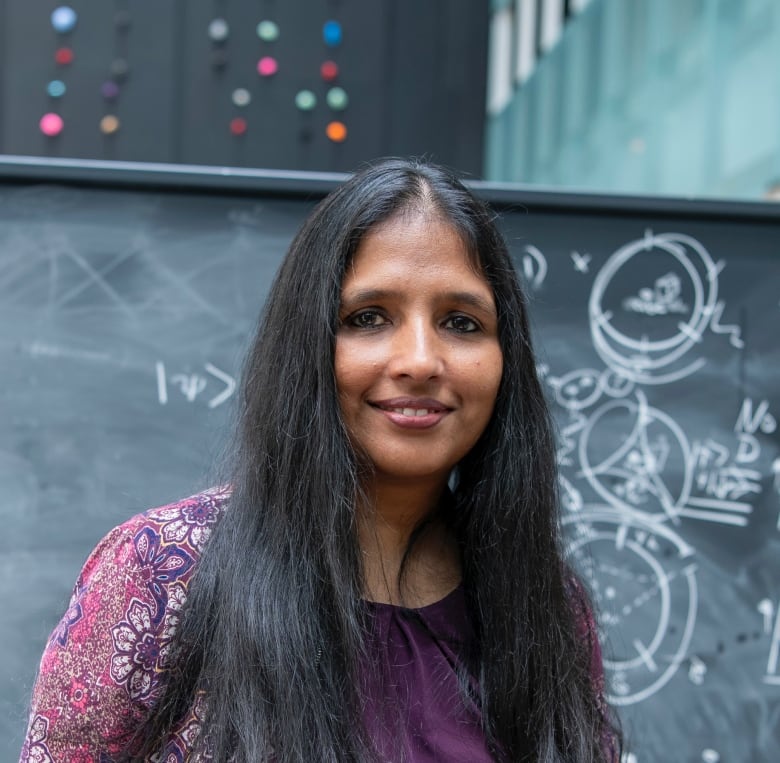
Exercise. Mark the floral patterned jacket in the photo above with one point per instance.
(104, 665)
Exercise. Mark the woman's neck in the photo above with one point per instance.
(385, 528)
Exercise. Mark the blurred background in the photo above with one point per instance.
(660, 97)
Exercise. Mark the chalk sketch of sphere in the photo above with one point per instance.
(636, 457)
(649, 306)
(642, 577)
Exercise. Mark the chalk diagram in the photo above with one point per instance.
(638, 572)
(681, 297)
(630, 473)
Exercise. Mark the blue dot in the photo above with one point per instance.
(63, 19)
(56, 88)
(331, 33)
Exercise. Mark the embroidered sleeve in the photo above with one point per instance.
(104, 665)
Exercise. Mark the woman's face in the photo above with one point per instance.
(418, 361)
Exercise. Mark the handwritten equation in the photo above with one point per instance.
(192, 385)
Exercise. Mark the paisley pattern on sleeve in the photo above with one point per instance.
(104, 664)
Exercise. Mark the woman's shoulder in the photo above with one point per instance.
(186, 523)
(104, 664)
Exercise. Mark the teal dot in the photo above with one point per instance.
(56, 88)
(305, 100)
(268, 31)
(337, 98)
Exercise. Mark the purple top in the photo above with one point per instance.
(413, 671)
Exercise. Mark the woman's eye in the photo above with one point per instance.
(462, 324)
(368, 319)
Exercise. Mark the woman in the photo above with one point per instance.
(384, 579)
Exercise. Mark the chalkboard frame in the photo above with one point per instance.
(242, 181)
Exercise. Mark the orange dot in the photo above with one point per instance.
(109, 124)
(336, 131)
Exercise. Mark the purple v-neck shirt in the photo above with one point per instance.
(415, 710)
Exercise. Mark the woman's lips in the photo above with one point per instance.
(412, 413)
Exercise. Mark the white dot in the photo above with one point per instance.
(610, 592)
(710, 756)
(241, 96)
(218, 30)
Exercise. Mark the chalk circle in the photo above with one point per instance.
(636, 457)
(642, 577)
(646, 342)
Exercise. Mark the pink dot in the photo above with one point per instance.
(267, 66)
(51, 124)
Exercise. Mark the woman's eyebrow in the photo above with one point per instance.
(459, 297)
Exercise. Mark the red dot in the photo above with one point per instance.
(329, 70)
(63, 56)
(238, 126)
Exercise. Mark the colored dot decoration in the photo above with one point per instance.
(331, 34)
(63, 56)
(268, 31)
(329, 70)
(51, 125)
(336, 131)
(109, 124)
(238, 126)
(219, 30)
(63, 19)
(56, 88)
(241, 97)
(305, 100)
(337, 98)
(119, 68)
(267, 66)
(109, 90)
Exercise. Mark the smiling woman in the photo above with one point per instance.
(382, 580)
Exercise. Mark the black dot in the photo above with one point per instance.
(742, 638)
(721, 647)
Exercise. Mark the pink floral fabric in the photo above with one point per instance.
(103, 666)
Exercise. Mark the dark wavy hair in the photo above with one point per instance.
(273, 627)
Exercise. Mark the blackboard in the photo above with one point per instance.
(124, 313)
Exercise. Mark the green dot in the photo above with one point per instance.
(268, 31)
(337, 98)
(305, 100)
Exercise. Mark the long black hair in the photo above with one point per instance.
(273, 628)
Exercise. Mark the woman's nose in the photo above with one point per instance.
(417, 351)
